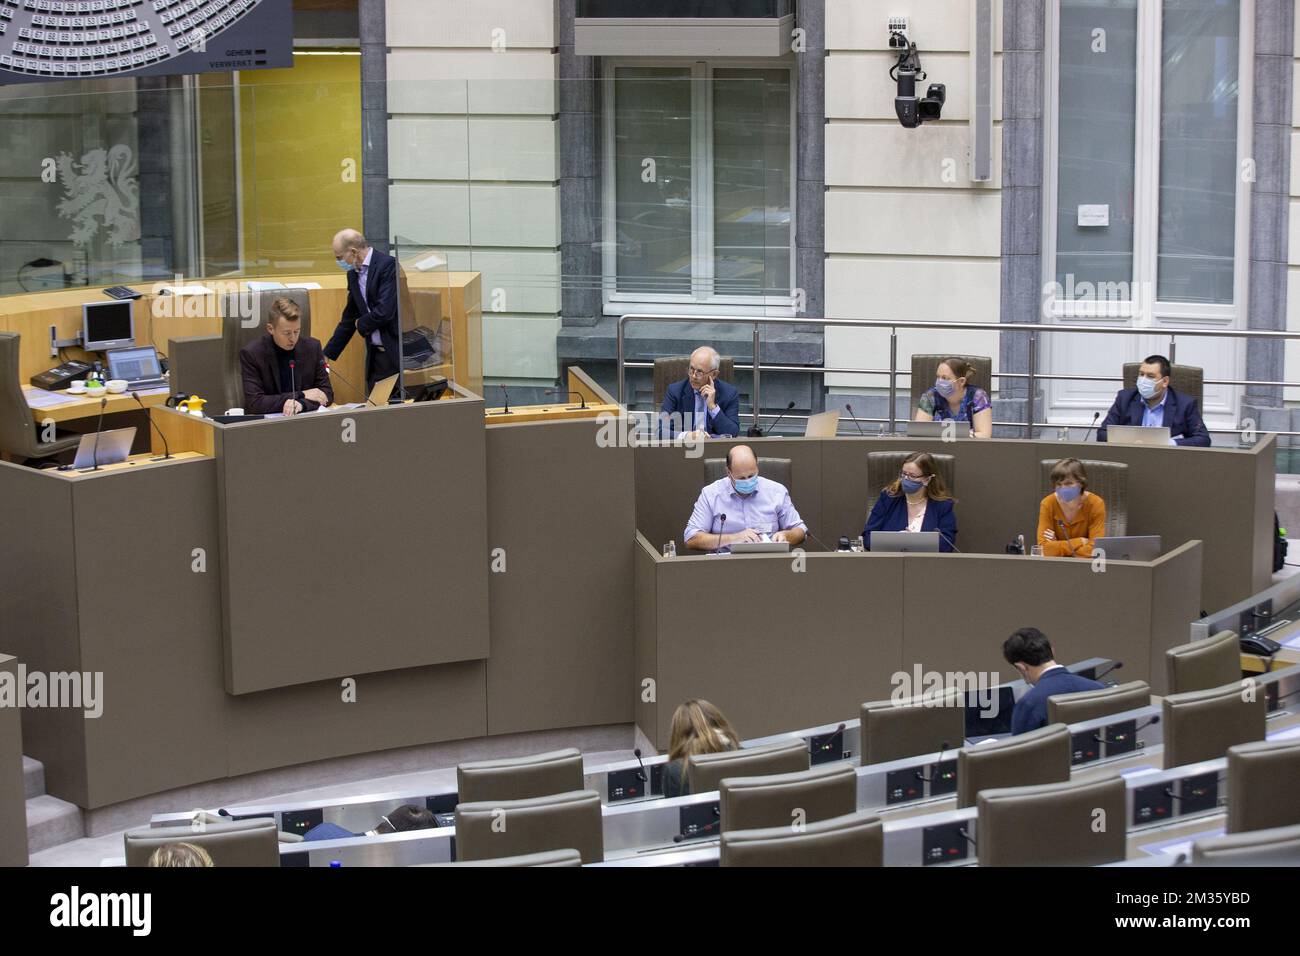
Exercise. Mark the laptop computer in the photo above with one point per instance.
(824, 425)
(114, 447)
(760, 547)
(1141, 547)
(938, 429)
(1138, 435)
(379, 395)
(138, 367)
(922, 541)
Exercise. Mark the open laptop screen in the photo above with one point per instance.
(132, 365)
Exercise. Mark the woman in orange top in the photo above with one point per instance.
(1070, 518)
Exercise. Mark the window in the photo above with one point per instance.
(698, 185)
(1146, 203)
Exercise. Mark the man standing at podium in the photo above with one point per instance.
(743, 507)
(371, 308)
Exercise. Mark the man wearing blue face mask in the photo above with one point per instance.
(372, 307)
(1154, 404)
(742, 507)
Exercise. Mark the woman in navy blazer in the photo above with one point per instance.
(916, 500)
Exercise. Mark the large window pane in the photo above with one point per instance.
(652, 179)
(751, 182)
(1095, 135)
(1198, 150)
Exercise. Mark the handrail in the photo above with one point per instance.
(1032, 329)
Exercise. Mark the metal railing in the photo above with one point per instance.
(1032, 375)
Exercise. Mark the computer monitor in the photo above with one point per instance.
(107, 325)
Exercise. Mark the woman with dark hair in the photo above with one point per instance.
(698, 727)
(954, 397)
(1071, 518)
(917, 500)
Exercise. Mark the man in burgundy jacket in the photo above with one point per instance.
(282, 371)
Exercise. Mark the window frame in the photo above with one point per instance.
(702, 210)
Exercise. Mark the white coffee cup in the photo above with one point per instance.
(78, 387)
(234, 411)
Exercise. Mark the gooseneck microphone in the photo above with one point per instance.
(641, 773)
(99, 427)
(506, 392)
(854, 416)
(329, 370)
(167, 452)
(756, 432)
(943, 746)
(949, 540)
(293, 381)
(1065, 532)
(566, 393)
(1095, 416)
(722, 524)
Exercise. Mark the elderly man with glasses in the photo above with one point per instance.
(700, 406)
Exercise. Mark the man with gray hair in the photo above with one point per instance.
(371, 309)
(700, 405)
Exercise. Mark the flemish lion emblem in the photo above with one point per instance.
(103, 186)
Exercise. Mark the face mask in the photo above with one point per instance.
(1069, 493)
(912, 486)
(945, 386)
(1146, 387)
(746, 486)
(344, 264)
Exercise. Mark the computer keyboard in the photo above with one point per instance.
(145, 384)
(122, 292)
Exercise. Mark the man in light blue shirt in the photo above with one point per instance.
(742, 507)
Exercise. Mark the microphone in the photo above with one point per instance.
(950, 541)
(506, 392)
(99, 426)
(642, 774)
(722, 524)
(1095, 416)
(808, 531)
(167, 452)
(566, 393)
(854, 416)
(756, 432)
(1061, 524)
(293, 380)
(329, 370)
(922, 777)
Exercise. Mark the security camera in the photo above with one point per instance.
(913, 110)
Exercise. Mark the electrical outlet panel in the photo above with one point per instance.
(898, 24)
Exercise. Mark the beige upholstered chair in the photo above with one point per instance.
(883, 467)
(753, 803)
(1264, 785)
(706, 771)
(925, 366)
(238, 330)
(1053, 824)
(918, 725)
(1199, 665)
(497, 828)
(1040, 756)
(545, 858)
(1279, 846)
(1203, 724)
(238, 843)
(856, 839)
(519, 778)
(673, 368)
(1091, 704)
(1186, 380)
(1108, 479)
(773, 469)
(18, 432)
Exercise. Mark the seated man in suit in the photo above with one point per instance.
(1154, 403)
(742, 507)
(1030, 653)
(700, 405)
(405, 817)
(282, 371)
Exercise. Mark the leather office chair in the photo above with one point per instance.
(1263, 785)
(546, 858)
(1199, 665)
(883, 467)
(917, 725)
(856, 839)
(1279, 846)
(925, 366)
(1053, 824)
(239, 843)
(520, 778)
(498, 828)
(19, 434)
(1040, 756)
(236, 333)
(1091, 704)
(1203, 724)
(705, 771)
(1109, 479)
(753, 803)
(672, 368)
(1186, 380)
(773, 469)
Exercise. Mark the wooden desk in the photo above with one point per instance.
(88, 407)
(136, 462)
(519, 414)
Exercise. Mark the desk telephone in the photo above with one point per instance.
(61, 376)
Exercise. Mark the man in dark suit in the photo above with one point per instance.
(371, 308)
(700, 405)
(1154, 403)
(1030, 653)
(282, 371)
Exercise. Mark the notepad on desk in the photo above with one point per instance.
(39, 398)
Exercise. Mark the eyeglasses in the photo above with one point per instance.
(700, 373)
(904, 476)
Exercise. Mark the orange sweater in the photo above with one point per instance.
(1090, 523)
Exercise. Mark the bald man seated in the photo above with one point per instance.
(700, 405)
(743, 506)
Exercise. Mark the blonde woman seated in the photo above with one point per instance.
(954, 397)
(698, 728)
(1071, 518)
